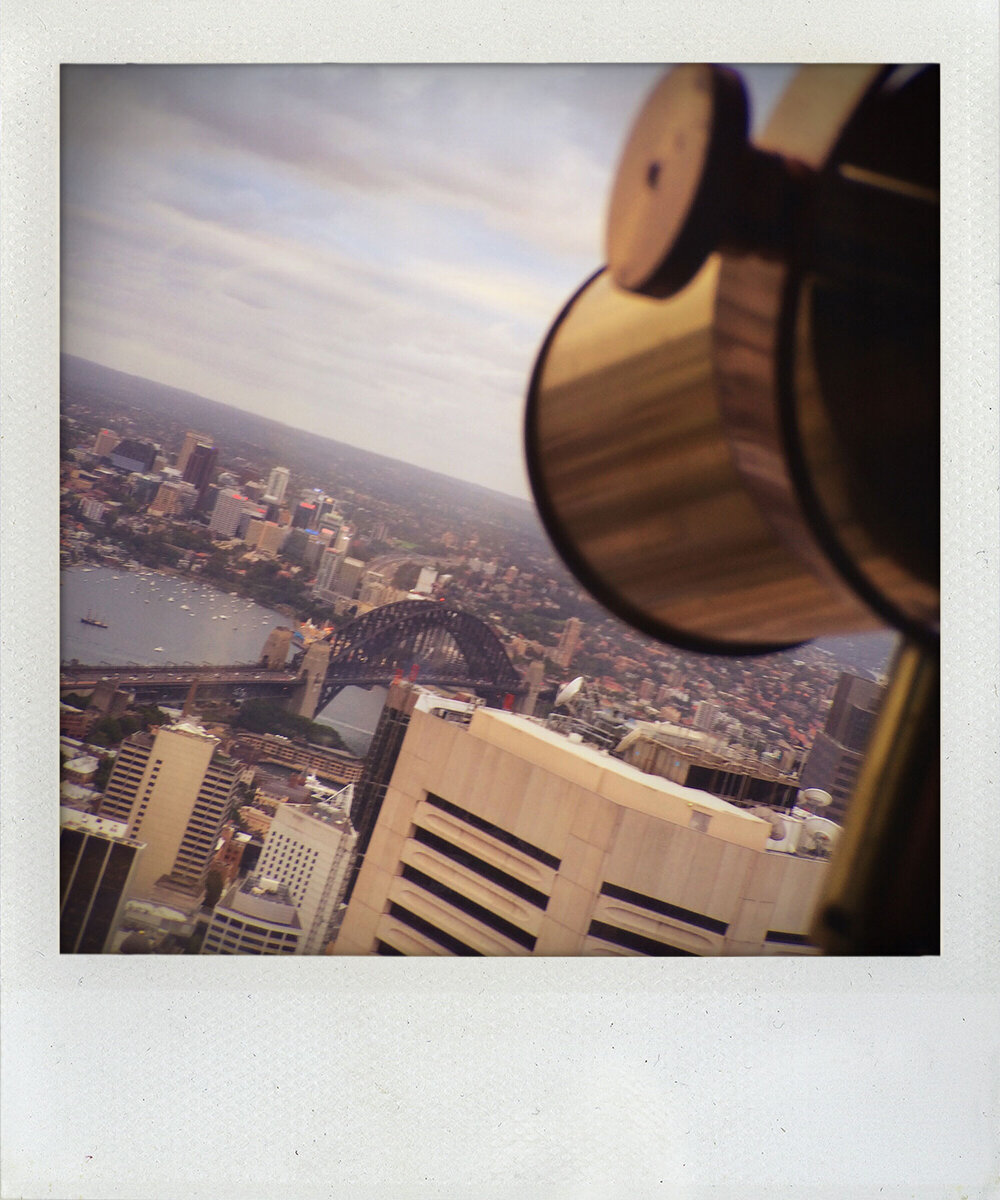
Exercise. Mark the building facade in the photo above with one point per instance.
(174, 790)
(225, 519)
(309, 848)
(97, 860)
(503, 837)
(277, 485)
(256, 916)
(837, 753)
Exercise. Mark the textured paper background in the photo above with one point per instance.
(683, 1079)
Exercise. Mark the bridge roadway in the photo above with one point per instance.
(251, 680)
(261, 680)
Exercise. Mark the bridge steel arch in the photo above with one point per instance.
(449, 647)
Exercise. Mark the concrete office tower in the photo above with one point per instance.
(704, 714)
(348, 578)
(568, 642)
(105, 442)
(97, 860)
(256, 916)
(173, 498)
(226, 515)
(503, 837)
(251, 514)
(277, 485)
(329, 564)
(837, 753)
(174, 789)
(275, 652)
(380, 763)
(191, 439)
(309, 848)
(272, 538)
(535, 675)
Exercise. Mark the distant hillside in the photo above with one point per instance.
(234, 428)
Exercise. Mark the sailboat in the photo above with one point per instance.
(90, 619)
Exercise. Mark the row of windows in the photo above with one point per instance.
(634, 941)
(495, 831)
(487, 870)
(661, 906)
(787, 939)
(445, 940)
(470, 907)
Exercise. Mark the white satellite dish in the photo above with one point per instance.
(817, 797)
(569, 691)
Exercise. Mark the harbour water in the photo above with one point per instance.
(158, 619)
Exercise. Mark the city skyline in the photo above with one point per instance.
(371, 252)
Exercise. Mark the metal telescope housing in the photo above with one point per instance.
(732, 429)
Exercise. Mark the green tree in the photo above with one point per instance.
(103, 772)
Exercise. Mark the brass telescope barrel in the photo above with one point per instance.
(732, 430)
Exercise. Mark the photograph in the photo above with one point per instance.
(499, 532)
(496, 505)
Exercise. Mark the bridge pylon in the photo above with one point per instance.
(305, 700)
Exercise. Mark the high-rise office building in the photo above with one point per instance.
(191, 439)
(369, 792)
(105, 442)
(304, 515)
(326, 573)
(97, 859)
(277, 485)
(309, 848)
(174, 789)
(568, 642)
(134, 454)
(836, 755)
(271, 538)
(705, 713)
(226, 515)
(500, 836)
(200, 467)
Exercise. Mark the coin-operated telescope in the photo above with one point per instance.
(732, 429)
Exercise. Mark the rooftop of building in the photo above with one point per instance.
(597, 771)
(72, 818)
(263, 899)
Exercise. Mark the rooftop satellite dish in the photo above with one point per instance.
(569, 691)
(817, 797)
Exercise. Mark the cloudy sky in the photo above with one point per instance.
(373, 253)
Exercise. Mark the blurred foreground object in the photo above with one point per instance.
(733, 429)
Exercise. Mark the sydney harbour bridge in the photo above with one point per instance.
(426, 641)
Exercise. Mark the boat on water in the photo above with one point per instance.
(223, 617)
(186, 606)
(157, 649)
(90, 619)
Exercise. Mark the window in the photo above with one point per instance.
(495, 831)
(634, 941)
(487, 870)
(470, 907)
(446, 940)
(661, 906)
